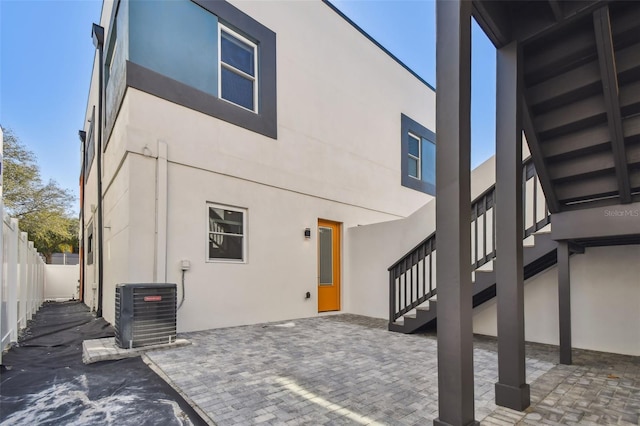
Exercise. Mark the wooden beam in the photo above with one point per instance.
(493, 18)
(556, 9)
(627, 62)
(607, 61)
(631, 126)
(572, 117)
(589, 139)
(576, 80)
(538, 157)
(528, 25)
(633, 154)
(582, 165)
(548, 58)
(579, 7)
(587, 188)
(635, 181)
(596, 222)
(630, 95)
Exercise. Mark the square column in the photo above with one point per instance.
(564, 302)
(453, 213)
(512, 391)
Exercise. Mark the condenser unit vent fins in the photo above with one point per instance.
(145, 314)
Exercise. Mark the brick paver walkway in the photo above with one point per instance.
(348, 370)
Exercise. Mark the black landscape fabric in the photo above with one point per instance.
(43, 380)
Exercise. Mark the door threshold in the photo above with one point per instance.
(328, 313)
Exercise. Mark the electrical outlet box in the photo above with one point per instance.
(185, 265)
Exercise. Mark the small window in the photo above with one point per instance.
(418, 156)
(414, 156)
(110, 54)
(113, 56)
(90, 148)
(238, 77)
(226, 231)
(90, 244)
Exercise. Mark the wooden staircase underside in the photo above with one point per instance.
(581, 100)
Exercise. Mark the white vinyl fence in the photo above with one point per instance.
(22, 281)
(61, 282)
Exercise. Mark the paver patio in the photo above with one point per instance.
(349, 370)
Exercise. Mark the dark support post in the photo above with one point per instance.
(81, 246)
(564, 302)
(512, 391)
(98, 42)
(453, 214)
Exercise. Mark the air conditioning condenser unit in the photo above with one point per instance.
(145, 314)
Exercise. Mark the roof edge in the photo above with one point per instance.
(374, 41)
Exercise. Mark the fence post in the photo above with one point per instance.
(4, 297)
(32, 281)
(12, 278)
(24, 293)
(40, 280)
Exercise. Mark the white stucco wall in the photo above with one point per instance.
(373, 248)
(605, 288)
(605, 302)
(338, 117)
(61, 282)
(281, 265)
(337, 157)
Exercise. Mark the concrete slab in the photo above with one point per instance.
(106, 349)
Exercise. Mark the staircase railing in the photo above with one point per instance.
(412, 277)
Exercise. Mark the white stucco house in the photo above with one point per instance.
(230, 131)
(277, 160)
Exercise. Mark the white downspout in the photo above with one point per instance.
(161, 213)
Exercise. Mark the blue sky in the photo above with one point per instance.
(46, 55)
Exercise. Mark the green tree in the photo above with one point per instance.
(43, 209)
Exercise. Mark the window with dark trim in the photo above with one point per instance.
(90, 147)
(162, 64)
(90, 244)
(418, 156)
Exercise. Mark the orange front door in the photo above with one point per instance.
(328, 266)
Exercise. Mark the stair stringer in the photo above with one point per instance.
(536, 258)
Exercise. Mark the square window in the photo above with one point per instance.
(89, 248)
(414, 159)
(428, 161)
(413, 167)
(414, 146)
(90, 146)
(237, 54)
(226, 233)
(418, 162)
(237, 89)
(238, 79)
(183, 63)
